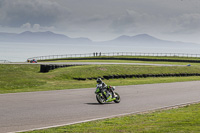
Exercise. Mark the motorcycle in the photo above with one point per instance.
(103, 95)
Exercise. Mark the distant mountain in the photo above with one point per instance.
(144, 40)
(41, 37)
(141, 40)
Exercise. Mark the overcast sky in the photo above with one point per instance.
(104, 19)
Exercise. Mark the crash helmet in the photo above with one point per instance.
(99, 81)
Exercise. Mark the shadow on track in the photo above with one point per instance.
(97, 103)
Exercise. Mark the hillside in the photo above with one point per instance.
(40, 37)
(145, 40)
(141, 40)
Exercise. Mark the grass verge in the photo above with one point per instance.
(185, 120)
(26, 78)
(129, 61)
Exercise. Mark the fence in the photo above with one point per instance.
(112, 54)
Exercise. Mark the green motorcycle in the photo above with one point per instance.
(103, 95)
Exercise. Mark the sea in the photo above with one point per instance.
(20, 52)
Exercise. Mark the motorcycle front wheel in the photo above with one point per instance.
(118, 99)
(100, 99)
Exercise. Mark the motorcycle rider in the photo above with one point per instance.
(104, 86)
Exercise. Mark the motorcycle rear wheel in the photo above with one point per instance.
(100, 99)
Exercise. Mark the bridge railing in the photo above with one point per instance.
(112, 54)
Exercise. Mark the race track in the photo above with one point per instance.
(33, 110)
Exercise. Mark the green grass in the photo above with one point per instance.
(17, 77)
(125, 61)
(181, 120)
(26, 78)
(102, 70)
(129, 61)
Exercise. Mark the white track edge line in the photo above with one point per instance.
(119, 115)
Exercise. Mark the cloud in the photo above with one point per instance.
(186, 23)
(14, 13)
(26, 26)
(36, 27)
(102, 18)
(132, 21)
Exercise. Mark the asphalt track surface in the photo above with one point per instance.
(37, 110)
